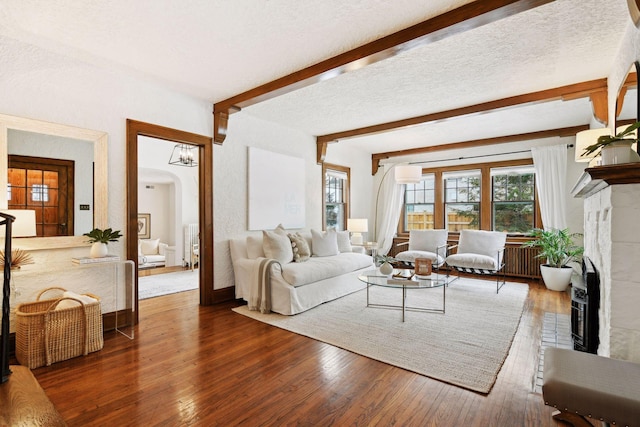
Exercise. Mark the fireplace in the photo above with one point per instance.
(585, 303)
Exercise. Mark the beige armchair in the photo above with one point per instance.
(479, 252)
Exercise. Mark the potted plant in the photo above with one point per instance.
(559, 249)
(99, 240)
(615, 149)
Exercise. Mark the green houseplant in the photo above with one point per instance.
(621, 141)
(99, 240)
(558, 248)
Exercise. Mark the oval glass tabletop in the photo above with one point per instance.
(374, 277)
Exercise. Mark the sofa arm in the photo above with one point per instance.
(358, 249)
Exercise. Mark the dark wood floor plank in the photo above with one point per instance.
(192, 365)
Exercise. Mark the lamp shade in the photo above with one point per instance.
(24, 224)
(408, 174)
(586, 138)
(358, 225)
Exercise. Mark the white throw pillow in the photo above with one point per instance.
(344, 243)
(149, 247)
(276, 245)
(324, 244)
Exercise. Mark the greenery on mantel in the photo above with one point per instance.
(556, 246)
(605, 140)
(103, 236)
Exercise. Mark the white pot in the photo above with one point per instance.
(386, 268)
(98, 250)
(556, 279)
(617, 153)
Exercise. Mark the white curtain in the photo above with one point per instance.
(551, 181)
(389, 206)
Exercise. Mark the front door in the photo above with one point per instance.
(46, 186)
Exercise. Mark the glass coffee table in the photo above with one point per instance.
(375, 278)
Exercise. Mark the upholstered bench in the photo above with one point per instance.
(586, 385)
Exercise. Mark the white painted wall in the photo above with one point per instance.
(38, 84)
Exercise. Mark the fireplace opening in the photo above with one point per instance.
(585, 303)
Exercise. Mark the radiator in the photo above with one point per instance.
(190, 238)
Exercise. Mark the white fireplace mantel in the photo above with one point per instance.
(612, 241)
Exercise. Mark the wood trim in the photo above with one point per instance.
(456, 21)
(574, 91)
(560, 132)
(600, 104)
(205, 205)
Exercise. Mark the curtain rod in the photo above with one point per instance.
(478, 156)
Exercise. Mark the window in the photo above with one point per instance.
(489, 196)
(419, 204)
(336, 196)
(462, 200)
(513, 199)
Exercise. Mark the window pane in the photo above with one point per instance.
(419, 217)
(462, 216)
(419, 204)
(513, 198)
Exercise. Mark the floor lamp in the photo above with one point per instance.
(16, 223)
(404, 174)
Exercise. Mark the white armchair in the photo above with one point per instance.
(430, 244)
(480, 252)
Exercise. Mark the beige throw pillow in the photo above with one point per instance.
(300, 247)
(276, 245)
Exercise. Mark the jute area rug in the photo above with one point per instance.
(466, 346)
(169, 283)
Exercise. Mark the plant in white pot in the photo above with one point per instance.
(615, 149)
(559, 249)
(99, 240)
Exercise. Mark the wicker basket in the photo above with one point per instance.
(45, 335)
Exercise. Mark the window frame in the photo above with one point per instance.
(326, 167)
(486, 205)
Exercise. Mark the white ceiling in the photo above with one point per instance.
(214, 49)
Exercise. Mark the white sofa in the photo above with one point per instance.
(298, 286)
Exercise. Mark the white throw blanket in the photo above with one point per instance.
(260, 293)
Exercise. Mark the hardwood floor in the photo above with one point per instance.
(205, 366)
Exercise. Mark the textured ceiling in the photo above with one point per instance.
(217, 49)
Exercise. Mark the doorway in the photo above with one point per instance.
(204, 145)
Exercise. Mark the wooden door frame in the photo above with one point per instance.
(205, 202)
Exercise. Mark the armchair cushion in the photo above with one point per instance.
(481, 242)
(473, 261)
(410, 257)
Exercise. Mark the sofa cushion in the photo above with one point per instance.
(319, 268)
(324, 244)
(149, 247)
(344, 243)
(300, 247)
(276, 245)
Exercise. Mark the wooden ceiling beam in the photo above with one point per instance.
(560, 132)
(574, 91)
(456, 21)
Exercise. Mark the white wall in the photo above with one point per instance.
(42, 85)
(155, 199)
